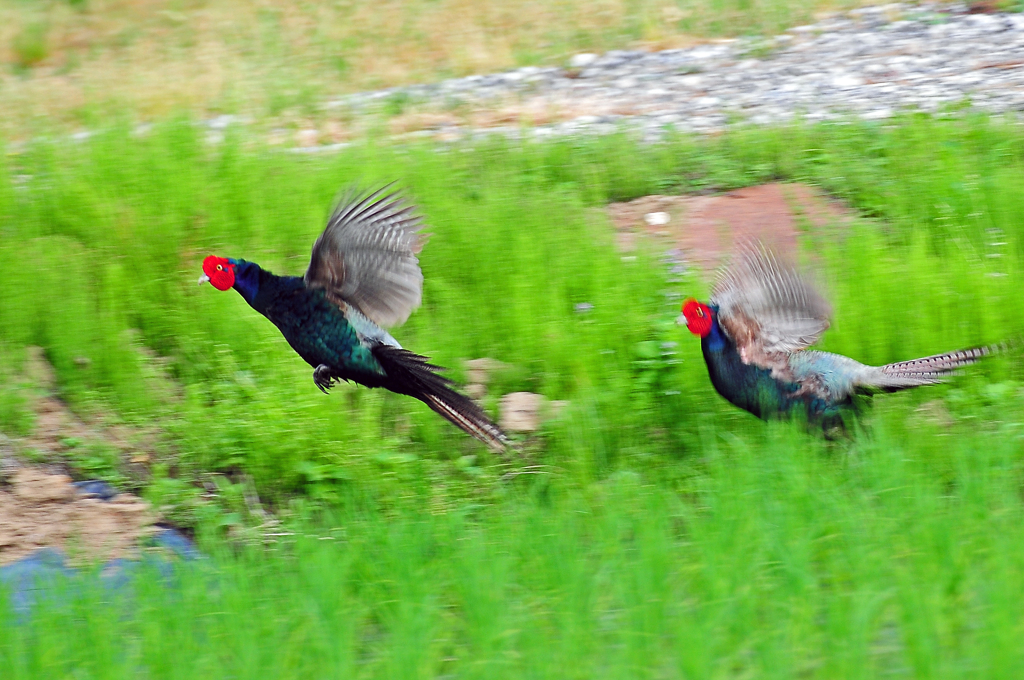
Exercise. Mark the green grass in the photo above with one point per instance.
(776, 557)
(669, 535)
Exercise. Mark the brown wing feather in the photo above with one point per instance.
(366, 256)
(768, 308)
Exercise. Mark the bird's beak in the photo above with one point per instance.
(204, 279)
(681, 320)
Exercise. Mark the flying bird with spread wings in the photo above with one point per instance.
(363, 276)
(755, 331)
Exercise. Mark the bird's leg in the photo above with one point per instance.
(323, 378)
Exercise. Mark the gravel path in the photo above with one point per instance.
(870, 62)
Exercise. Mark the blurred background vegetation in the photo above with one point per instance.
(84, 62)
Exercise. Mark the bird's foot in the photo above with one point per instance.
(323, 377)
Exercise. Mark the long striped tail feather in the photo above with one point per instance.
(930, 370)
(418, 378)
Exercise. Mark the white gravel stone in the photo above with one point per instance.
(221, 122)
(877, 114)
(656, 219)
(582, 60)
(847, 81)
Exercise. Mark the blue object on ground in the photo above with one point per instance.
(96, 489)
(40, 573)
(181, 544)
(28, 576)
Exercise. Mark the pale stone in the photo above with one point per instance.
(520, 411)
(582, 60)
(656, 219)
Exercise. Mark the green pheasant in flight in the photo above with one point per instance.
(363, 276)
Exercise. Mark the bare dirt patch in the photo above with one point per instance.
(706, 228)
(42, 510)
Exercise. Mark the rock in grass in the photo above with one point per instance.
(524, 411)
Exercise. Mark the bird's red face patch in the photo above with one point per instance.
(220, 271)
(698, 317)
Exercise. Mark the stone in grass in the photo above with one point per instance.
(476, 391)
(478, 374)
(657, 219)
(36, 486)
(523, 411)
(480, 370)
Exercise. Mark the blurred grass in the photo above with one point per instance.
(669, 535)
(776, 557)
(83, 63)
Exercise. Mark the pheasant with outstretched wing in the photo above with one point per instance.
(363, 276)
(755, 332)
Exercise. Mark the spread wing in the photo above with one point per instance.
(767, 308)
(366, 256)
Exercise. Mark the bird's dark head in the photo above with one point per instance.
(225, 272)
(698, 317)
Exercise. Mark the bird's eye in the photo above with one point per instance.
(220, 267)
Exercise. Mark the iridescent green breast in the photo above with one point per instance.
(315, 327)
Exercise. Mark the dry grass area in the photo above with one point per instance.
(77, 63)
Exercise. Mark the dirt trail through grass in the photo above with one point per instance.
(40, 507)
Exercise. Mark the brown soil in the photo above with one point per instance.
(41, 510)
(707, 227)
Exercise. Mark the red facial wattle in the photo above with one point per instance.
(221, 272)
(698, 317)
